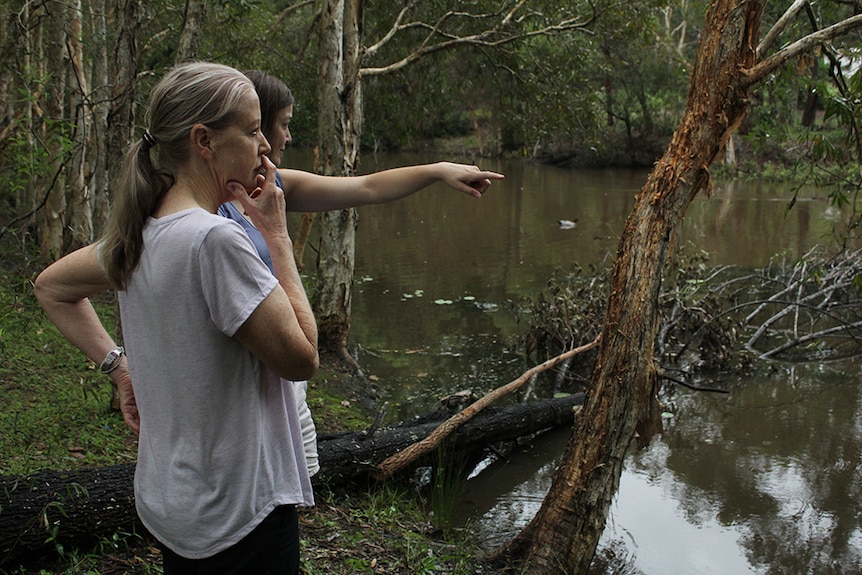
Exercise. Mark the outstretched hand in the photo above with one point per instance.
(468, 179)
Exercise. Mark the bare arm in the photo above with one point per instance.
(307, 192)
(282, 331)
(63, 289)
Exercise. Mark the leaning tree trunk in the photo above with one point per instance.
(563, 536)
(339, 128)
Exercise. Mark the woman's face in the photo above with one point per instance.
(281, 136)
(238, 148)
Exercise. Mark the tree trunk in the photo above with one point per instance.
(18, 50)
(101, 108)
(63, 508)
(563, 536)
(77, 507)
(344, 458)
(9, 52)
(300, 239)
(53, 69)
(122, 70)
(339, 128)
(193, 21)
(80, 223)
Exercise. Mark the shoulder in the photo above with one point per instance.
(223, 230)
(196, 226)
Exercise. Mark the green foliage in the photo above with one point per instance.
(446, 489)
(32, 153)
(548, 90)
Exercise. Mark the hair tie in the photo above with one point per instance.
(148, 139)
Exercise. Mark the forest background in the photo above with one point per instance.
(571, 84)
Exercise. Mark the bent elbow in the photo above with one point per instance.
(298, 366)
(39, 288)
(306, 368)
(43, 291)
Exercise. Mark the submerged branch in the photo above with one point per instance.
(692, 386)
(814, 336)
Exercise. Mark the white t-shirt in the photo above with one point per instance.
(220, 444)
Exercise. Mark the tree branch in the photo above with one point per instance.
(691, 386)
(289, 10)
(396, 27)
(811, 337)
(766, 67)
(778, 27)
(393, 464)
(493, 37)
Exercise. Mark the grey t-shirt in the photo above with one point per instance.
(220, 444)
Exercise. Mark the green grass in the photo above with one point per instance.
(381, 530)
(55, 411)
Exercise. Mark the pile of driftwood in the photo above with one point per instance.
(810, 310)
(723, 317)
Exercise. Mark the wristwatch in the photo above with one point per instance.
(112, 360)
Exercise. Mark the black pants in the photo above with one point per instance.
(272, 548)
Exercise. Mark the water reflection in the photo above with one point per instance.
(781, 462)
(765, 480)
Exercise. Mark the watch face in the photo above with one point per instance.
(110, 361)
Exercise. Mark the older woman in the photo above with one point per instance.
(210, 331)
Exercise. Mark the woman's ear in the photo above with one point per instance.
(202, 140)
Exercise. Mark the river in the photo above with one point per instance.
(762, 480)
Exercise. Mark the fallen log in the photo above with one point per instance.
(40, 512)
(355, 455)
(51, 509)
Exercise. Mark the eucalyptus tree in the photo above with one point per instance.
(193, 22)
(622, 405)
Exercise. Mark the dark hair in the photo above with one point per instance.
(189, 94)
(274, 96)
